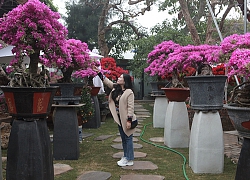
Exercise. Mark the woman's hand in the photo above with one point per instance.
(128, 124)
(96, 69)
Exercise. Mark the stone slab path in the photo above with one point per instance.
(95, 175)
(136, 154)
(61, 168)
(141, 177)
(232, 147)
(85, 135)
(142, 165)
(141, 110)
(157, 139)
(119, 146)
(142, 116)
(102, 137)
(134, 135)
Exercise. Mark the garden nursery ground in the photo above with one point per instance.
(101, 149)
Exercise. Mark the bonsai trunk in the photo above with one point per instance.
(66, 76)
(175, 81)
(34, 59)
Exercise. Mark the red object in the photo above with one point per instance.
(246, 124)
(41, 102)
(177, 94)
(94, 90)
(114, 72)
(9, 96)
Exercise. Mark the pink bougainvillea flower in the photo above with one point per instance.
(169, 57)
(33, 28)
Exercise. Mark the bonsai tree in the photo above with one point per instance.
(158, 56)
(80, 65)
(34, 31)
(173, 61)
(235, 53)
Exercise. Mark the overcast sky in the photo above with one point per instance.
(148, 20)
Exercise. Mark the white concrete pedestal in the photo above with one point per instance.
(206, 148)
(176, 131)
(160, 107)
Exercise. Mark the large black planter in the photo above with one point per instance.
(68, 93)
(29, 153)
(156, 87)
(24, 102)
(240, 117)
(206, 92)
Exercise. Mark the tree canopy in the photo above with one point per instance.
(82, 23)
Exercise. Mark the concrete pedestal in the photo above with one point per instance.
(206, 148)
(176, 131)
(160, 107)
(66, 134)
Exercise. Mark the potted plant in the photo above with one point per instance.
(200, 58)
(79, 67)
(68, 99)
(210, 93)
(177, 89)
(235, 54)
(155, 59)
(34, 31)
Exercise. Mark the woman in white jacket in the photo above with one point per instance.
(121, 105)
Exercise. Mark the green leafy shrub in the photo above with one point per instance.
(87, 111)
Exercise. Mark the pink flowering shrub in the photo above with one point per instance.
(190, 56)
(158, 56)
(81, 64)
(236, 54)
(169, 57)
(33, 28)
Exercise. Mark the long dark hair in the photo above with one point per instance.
(117, 88)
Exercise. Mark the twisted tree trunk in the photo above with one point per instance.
(189, 22)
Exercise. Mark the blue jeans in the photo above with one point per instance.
(127, 144)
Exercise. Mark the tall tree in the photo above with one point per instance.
(193, 13)
(115, 13)
(169, 31)
(8, 5)
(161, 32)
(82, 22)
